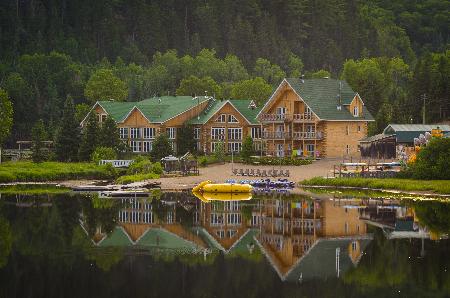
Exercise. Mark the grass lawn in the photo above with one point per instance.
(51, 171)
(437, 186)
(33, 189)
(135, 178)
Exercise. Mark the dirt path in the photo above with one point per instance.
(219, 173)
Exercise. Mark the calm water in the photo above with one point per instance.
(173, 245)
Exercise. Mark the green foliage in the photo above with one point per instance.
(100, 153)
(109, 135)
(219, 151)
(161, 147)
(439, 186)
(104, 85)
(68, 138)
(185, 139)
(81, 110)
(320, 74)
(126, 179)
(89, 138)
(284, 161)
(433, 215)
(6, 116)
(140, 165)
(295, 66)
(52, 171)
(271, 73)
(247, 149)
(39, 153)
(256, 89)
(197, 86)
(433, 160)
(5, 242)
(157, 168)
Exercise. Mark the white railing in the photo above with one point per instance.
(307, 135)
(276, 135)
(116, 163)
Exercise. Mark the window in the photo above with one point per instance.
(102, 117)
(149, 132)
(234, 146)
(123, 132)
(231, 205)
(198, 146)
(359, 128)
(347, 149)
(281, 110)
(354, 245)
(220, 233)
(217, 133)
(135, 133)
(355, 111)
(347, 130)
(308, 111)
(231, 233)
(146, 146)
(234, 218)
(232, 119)
(346, 228)
(310, 148)
(235, 133)
(256, 133)
(171, 132)
(213, 146)
(197, 133)
(222, 118)
(135, 146)
(216, 219)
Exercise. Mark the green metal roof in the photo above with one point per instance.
(321, 95)
(162, 238)
(155, 109)
(117, 238)
(405, 133)
(241, 105)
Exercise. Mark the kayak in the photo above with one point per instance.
(207, 197)
(209, 187)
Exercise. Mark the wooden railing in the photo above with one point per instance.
(307, 135)
(286, 117)
(276, 135)
(297, 135)
(303, 117)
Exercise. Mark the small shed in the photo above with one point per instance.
(171, 163)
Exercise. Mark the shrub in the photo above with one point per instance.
(135, 178)
(203, 161)
(103, 153)
(247, 149)
(219, 151)
(140, 165)
(285, 161)
(433, 160)
(157, 168)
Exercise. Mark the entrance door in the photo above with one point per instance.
(280, 150)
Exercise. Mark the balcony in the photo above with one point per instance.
(279, 118)
(276, 135)
(307, 135)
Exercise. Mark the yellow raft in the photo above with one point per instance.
(208, 186)
(207, 197)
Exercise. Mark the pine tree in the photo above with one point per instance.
(161, 148)
(247, 148)
(89, 139)
(185, 139)
(38, 137)
(68, 138)
(109, 135)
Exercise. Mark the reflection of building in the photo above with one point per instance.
(308, 238)
(140, 224)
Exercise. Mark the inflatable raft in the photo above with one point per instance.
(209, 187)
(207, 197)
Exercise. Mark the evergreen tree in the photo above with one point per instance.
(6, 118)
(247, 149)
(185, 139)
(38, 136)
(89, 138)
(109, 135)
(219, 151)
(161, 147)
(68, 138)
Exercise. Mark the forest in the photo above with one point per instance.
(395, 54)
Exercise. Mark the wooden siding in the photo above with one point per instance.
(336, 218)
(336, 138)
(356, 102)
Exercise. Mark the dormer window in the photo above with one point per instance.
(222, 118)
(355, 111)
(232, 119)
(252, 105)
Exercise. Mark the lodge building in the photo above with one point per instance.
(315, 117)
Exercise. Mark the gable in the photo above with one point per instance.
(135, 118)
(228, 109)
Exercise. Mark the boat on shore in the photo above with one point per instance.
(209, 187)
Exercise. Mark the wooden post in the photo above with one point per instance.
(315, 138)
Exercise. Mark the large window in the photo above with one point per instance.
(123, 132)
(310, 148)
(222, 118)
(235, 133)
(135, 146)
(216, 218)
(217, 133)
(146, 146)
(234, 218)
(232, 119)
(135, 133)
(197, 133)
(171, 132)
(256, 132)
(281, 110)
(234, 146)
(214, 145)
(149, 132)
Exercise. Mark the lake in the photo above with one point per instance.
(173, 245)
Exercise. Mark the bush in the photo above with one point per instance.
(285, 161)
(433, 161)
(140, 165)
(135, 178)
(203, 161)
(157, 168)
(103, 153)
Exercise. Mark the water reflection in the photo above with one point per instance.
(301, 238)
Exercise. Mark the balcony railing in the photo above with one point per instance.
(307, 135)
(296, 135)
(286, 117)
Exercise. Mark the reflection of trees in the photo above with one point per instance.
(100, 213)
(434, 215)
(5, 241)
(397, 264)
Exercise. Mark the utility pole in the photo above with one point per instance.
(424, 97)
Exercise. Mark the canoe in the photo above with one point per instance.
(208, 186)
(207, 197)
